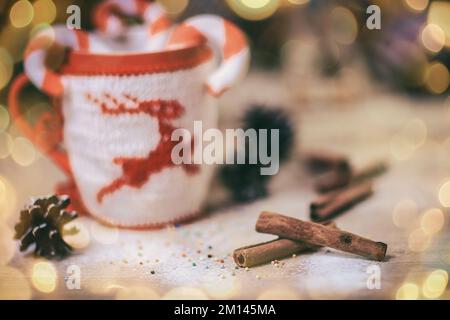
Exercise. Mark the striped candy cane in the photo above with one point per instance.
(221, 34)
(35, 53)
(107, 20)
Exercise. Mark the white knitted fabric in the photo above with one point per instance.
(93, 139)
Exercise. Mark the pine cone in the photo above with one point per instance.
(42, 224)
(245, 181)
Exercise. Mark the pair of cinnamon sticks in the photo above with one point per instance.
(298, 236)
(341, 186)
(336, 172)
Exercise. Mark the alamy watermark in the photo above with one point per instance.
(236, 146)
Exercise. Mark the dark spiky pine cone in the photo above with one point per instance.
(245, 181)
(42, 224)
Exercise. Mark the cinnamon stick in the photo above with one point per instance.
(329, 206)
(337, 179)
(266, 252)
(322, 160)
(368, 172)
(332, 180)
(319, 235)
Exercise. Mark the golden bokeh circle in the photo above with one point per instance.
(44, 277)
(433, 37)
(437, 78)
(432, 221)
(298, 2)
(174, 7)
(23, 151)
(408, 291)
(44, 11)
(254, 9)
(405, 214)
(416, 5)
(21, 13)
(4, 119)
(6, 67)
(6, 143)
(344, 27)
(416, 131)
(435, 284)
(444, 194)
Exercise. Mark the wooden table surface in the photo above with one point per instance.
(174, 262)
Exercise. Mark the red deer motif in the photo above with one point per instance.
(137, 171)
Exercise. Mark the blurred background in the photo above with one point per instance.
(307, 56)
(319, 53)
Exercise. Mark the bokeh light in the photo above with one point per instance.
(298, 2)
(8, 199)
(44, 277)
(254, 9)
(416, 132)
(185, 293)
(255, 4)
(225, 288)
(136, 293)
(81, 238)
(6, 67)
(23, 151)
(412, 135)
(418, 240)
(437, 78)
(4, 119)
(401, 148)
(6, 143)
(21, 14)
(344, 27)
(7, 244)
(408, 291)
(405, 214)
(416, 5)
(174, 7)
(44, 11)
(432, 221)
(444, 194)
(105, 283)
(433, 37)
(439, 14)
(13, 285)
(435, 284)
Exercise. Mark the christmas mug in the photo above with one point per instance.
(115, 113)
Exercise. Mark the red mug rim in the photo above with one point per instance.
(85, 63)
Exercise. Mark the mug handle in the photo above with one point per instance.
(35, 67)
(223, 35)
(50, 143)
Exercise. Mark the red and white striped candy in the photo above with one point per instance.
(154, 15)
(34, 58)
(221, 34)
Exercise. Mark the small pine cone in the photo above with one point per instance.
(42, 224)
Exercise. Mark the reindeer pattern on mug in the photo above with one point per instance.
(136, 171)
